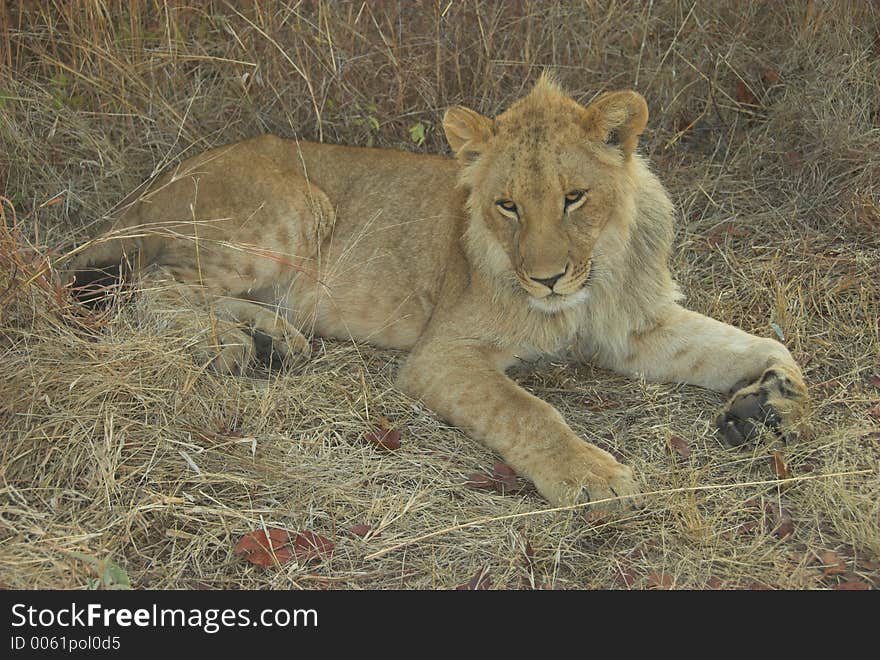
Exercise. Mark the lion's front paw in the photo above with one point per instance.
(778, 400)
(587, 474)
(229, 351)
(277, 341)
(277, 347)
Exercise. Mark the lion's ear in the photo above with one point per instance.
(618, 118)
(466, 131)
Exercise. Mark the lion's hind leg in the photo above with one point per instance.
(228, 334)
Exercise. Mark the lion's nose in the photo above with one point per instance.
(549, 282)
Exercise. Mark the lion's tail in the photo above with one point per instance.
(128, 246)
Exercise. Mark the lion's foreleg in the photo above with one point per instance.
(467, 388)
(678, 345)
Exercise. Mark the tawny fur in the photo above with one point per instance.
(281, 239)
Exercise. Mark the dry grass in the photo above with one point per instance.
(115, 445)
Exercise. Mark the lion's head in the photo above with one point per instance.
(547, 178)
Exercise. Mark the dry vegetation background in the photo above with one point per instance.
(121, 459)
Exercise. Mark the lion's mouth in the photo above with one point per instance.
(556, 301)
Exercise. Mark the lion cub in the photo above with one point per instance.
(547, 230)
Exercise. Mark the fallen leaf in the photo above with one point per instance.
(780, 469)
(832, 562)
(660, 581)
(385, 438)
(505, 479)
(481, 581)
(747, 527)
(874, 380)
(264, 549)
(361, 530)
(308, 545)
(875, 412)
(679, 445)
(624, 575)
(852, 585)
(770, 76)
(744, 94)
(480, 481)
(783, 524)
(714, 583)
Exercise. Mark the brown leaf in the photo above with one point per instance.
(780, 469)
(265, 550)
(481, 581)
(385, 438)
(361, 530)
(505, 479)
(770, 76)
(624, 575)
(714, 583)
(480, 481)
(875, 412)
(874, 380)
(852, 585)
(747, 527)
(308, 545)
(744, 94)
(660, 580)
(834, 565)
(783, 525)
(679, 445)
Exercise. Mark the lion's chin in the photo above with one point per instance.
(555, 302)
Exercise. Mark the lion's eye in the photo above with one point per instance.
(507, 207)
(574, 199)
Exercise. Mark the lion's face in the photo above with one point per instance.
(545, 179)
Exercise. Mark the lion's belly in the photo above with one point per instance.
(371, 304)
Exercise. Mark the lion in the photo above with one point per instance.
(546, 231)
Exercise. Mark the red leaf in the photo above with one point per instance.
(833, 563)
(385, 438)
(770, 76)
(480, 582)
(265, 550)
(780, 469)
(852, 585)
(747, 527)
(783, 525)
(361, 530)
(744, 94)
(308, 545)
(480, 481)
(505, 479)
(624, 575)
(679, 445)
(660, 581)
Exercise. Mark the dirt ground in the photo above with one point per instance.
(124, 462)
